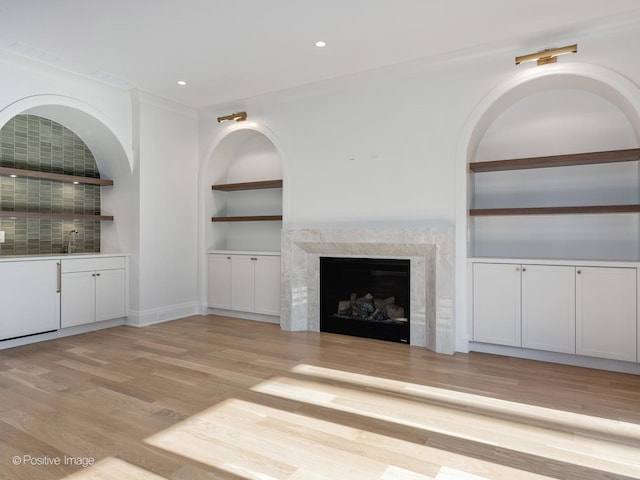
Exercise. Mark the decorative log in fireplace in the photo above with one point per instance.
(371, 309)
(365, 297)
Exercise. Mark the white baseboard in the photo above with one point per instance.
(258, 317)
(163, 314)
(553, 357)
(63, 332)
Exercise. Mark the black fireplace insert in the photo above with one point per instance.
(365, 297)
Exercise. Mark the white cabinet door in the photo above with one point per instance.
(78, 299)
(267, 285)
(606, 319)
(109, 294)
(29, 298)
(496, 304)
(242, 282)
(548, 308)
(219, 291)
(93, 290)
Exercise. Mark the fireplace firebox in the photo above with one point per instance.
(365, 297)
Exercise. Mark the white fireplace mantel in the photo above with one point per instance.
(429, 249)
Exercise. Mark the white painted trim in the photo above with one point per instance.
(57, 106)
(554, 357)
(63, 332)
(161, 314)
(257, 317)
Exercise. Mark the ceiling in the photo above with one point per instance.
(231, 50)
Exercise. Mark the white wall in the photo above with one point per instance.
(150, 149)
(24, 82)
(167, 159)
(405, 126)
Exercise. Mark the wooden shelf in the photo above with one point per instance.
(58, 177)
(632, 208)
(589, 158)
(252, 218)
(232, 187)
(55, 216)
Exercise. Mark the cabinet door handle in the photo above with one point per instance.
(253, 258)
(97, 274)
(228, 258)
(58, 277)
(517, 269)
(524, 269)
(579, 272)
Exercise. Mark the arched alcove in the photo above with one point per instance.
(113, 159)
(243, 154)
(557, 113)
(523, 117)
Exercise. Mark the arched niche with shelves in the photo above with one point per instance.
(115, 162)
(54, 184)
(243, 201)
(562, 114)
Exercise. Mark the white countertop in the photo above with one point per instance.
(545, 261)
(243, 252)
(59, 256)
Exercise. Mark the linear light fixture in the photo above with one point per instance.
(238, 117)
(547, 56)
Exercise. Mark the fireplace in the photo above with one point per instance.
(365, 297)
(429, 250)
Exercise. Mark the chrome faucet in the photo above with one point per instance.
(71, 244)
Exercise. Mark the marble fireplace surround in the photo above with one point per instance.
(430, 251)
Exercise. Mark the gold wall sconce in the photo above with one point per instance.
(547, 56)
(238, 117)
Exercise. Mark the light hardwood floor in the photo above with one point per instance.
(220, 398)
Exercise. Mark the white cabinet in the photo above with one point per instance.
(606, 313)
(219, 292)
(587, 310)
(267, 285)
(245, 282)
(548, 308)
(93, 290)
(242, 282)
(29, 298)
(497, 304)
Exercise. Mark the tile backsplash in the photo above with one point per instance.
(31, 142)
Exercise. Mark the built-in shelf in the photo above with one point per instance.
(576, 210)
(58, 177)
(232, 187)
(251, 218)
(574, 159)
(568, 160)
(55, 216)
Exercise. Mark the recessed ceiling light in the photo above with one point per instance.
(181, 83)
(321, 44)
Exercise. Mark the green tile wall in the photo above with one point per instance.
(35, 143)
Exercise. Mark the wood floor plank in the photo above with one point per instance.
(216, 398)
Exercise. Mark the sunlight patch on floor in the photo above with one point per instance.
(462, 416)
(628, 432)
(265, 443)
